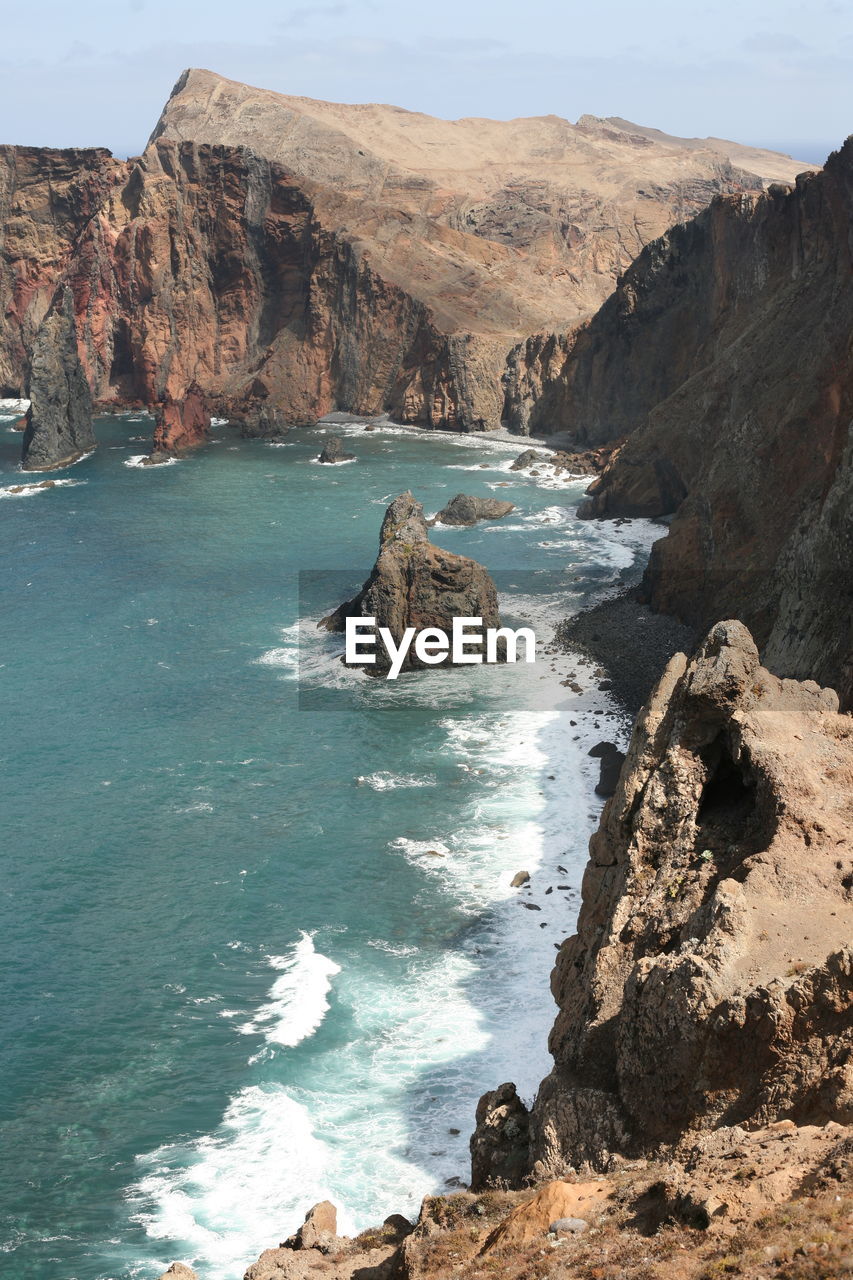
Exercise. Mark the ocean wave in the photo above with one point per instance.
(141, 460)
(385, 781)
(27, 490)
(297, 1001)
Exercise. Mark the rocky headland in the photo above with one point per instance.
(723, 361)
(289, 257)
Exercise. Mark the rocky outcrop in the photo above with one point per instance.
(577, 462)
(59, 419)
(181, 424)
(416, 584)
(738, 426)
(333, 451)
(710, 982)
(465, 510)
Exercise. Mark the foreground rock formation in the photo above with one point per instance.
(416, 584)
(292, 257)
(710, 983)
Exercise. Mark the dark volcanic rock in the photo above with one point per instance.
(610, 760)
(333, 451)
(527, 459)
(59, 419)
(415, 584)
(463, 509)
(260, 422)
(500, 1142)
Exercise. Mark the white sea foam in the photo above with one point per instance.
(297, 1001)
(385, 781)
(141, 460)
(28, 490)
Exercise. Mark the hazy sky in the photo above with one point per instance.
(772, 72)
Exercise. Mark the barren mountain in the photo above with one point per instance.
(288, 257)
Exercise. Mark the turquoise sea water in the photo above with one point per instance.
(257, 954)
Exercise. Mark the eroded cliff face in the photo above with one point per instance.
(59, 420)
(710, 982)
(726, 357)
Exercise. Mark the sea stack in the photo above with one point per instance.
(416, 584)
(59, 420)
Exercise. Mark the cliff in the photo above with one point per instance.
(59, 420)
(710, 982)
(292, 257)
(725, 356)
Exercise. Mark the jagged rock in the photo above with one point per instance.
(710, 982)
(181, 424)
(554, 1202)
(499, 1143)
(527, 459)
(59, 419)
(333, 451)
(318, 1230)
(463, 509)
(260, 422)
(415, 584)
(179, 1271)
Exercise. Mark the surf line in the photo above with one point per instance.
(433, 645)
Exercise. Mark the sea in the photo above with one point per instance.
(260, 946)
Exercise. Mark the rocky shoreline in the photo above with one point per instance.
(629, 642)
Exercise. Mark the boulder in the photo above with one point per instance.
(520, 878)
(179, 1271)
(333, 451)
(527, 459)
(415, 584)
(611, 760)
(465, 510)
(555, 1202)
(318, 1230)
(59, 419)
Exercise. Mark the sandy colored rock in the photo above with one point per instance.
(555, 1200)
(179, 1271)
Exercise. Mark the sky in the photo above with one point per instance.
(776, 73)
